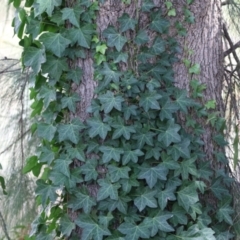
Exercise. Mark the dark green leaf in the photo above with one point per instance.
(144, 137)
(111, 153)
(145, 198)
(117, 173)
(147, 5)
(47, 94)
(66, 225)
(46, 131)
(47, 6)
(89, 170)
(126, 22)
(62, 166)
(97, 127)
(158, 46)
(107, 189)
(152, 174)
(159, 24)
(70, 102)
(131, 155)
(141, 37)
(54, 42)
(71, 131)
(75, 75)
(150, 101)
(114, 39)
(34, 57)
(72, 14)
(168, 194)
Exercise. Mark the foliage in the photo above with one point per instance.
(153, 179)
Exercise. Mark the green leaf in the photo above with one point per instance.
(187, 167)
(111, 153)
(127, 184)
(170, 133)
(152, 174)
(183, 101)
(168, 194)
(104, 220)
(47, 6)
(89, 170)
(141, 38)
(54, 42)
(159, 222)
(122, 130)
(31, 163)
(47, 155)
(114, 39)
(144, 137)
(75, 75)
(150, 101)
(218, 188)
(120, 204)
(224, 214)
(147, 5)
(158, 46)
(117, 173)
(126, 22)
(82, 200)
(180, 150)
(48, 95)
(55, 66)
(34, 57)
(62, 166)
(82, 35)
(168, 107)
(66, 225)
(91, 229)
(107, 189)
(46, 192)
(145, 198)
(97, 127)
(133, 231)
(76, 152)
(46, 131)
(109, 74)
(179, 215)
(72, 14)
(159, 24)
(70, 102)
(131, 155)
(195, 69)
(110, 101)
(70, 131)
(187, 196)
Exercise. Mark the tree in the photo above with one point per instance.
(127, 101)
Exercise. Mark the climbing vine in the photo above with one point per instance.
(131, 170)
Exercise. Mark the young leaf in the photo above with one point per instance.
(54, 42)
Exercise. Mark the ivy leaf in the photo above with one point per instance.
(187, 196)
(70, 102)
(72, 14)
(218, 188)
(147, 5)
(54, 42)
(89, 170)
(62, 166)
(109, 101)
(76, 152)
(111, 153)
(66, 225)
(144, 137)
(187, 167)
(170, 133)
(71, 131)
(150, 101)
(117, 173)
(158, 46)
(204, 170)
(145, 198)
(122, 130)
(166, 195)
(152, 174)
(183, 101)
(82, 35)
(159, 24)
(168, 107)
(133, 231)
(46, 131)
(131, 155)
(46, 156)
(109, 74)
(91, 229)
(120, 204)
(82, 200)
(107, 189)
(141, 38)
(75, 75)
(159, 222)
(114, 39)
(34, 57)
(127, 184)
(180, 150)
(55, 66)
(46, 192)
(47, 94)
(47, 6)
(97, 127)
(126, 23)
(224, 214)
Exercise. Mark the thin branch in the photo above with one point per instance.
(4, 227)
(231, 49)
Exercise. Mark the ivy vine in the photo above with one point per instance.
(152, 178)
